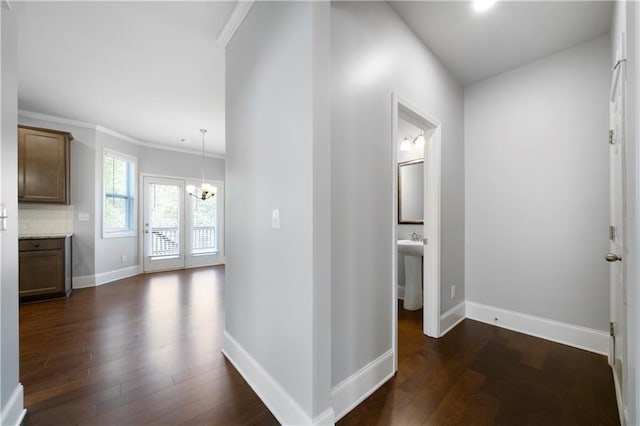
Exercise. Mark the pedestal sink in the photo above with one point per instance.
(413, 252)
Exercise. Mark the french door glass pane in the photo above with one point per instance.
(165, 220)
(204, 226)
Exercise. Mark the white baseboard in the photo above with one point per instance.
(452, 317)
(279, 402)
(357, 387)
(325, 419)
(568, 334)
(83, 281)
(105, 277)
(622, 409)
(401, 292)
(13, 412)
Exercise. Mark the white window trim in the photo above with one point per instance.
(133, 231)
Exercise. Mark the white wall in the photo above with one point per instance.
(374, 54)
(626, 19)
(277, 308)
(11, 396)
(537, 188)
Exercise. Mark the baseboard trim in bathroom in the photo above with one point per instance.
(400, 292)
(451, 318)
(279, 401)
(568, 334)
(357, 387)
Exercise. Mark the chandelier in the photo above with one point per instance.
(205, 191)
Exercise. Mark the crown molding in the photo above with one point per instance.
(110, 132)
(233, 23)
(138, 142)
(56, 119)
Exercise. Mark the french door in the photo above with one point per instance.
(163, 224)
(180, 231)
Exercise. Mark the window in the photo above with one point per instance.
(118, 209)
(204, 239)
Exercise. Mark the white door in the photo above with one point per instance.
(163, 224)
(618, 292)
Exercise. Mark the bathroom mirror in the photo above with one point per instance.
(411, 192)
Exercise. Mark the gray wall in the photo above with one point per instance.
(277, 156)
(163, 162)
(9, 367)
(374, 55)
(537, 187)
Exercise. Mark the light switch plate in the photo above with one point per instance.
(83, 217)
(275, 218)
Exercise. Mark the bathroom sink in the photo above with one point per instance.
(410, 248)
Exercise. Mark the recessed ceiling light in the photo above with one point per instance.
(482, 5)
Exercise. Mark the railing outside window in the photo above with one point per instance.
(164, 242)
(204, 239)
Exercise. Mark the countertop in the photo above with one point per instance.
(43, 236)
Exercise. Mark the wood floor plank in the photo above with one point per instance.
(146, 350)
(143, 350)
(479, 374)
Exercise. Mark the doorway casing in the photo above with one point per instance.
(432, 248)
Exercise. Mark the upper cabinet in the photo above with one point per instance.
(43, 165)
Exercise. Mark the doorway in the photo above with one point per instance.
(405, 116)
(179, 230)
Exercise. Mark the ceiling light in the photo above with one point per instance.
(482, 5)
(206, 190)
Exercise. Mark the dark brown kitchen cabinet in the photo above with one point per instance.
(44, 268)
(43, 165)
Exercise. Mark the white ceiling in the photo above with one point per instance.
(153, 70)
(149, 70)
(474, 46)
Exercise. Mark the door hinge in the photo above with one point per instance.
(612, 233)
(612, 329)
(612, 137)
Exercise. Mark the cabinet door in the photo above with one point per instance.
(42, 166)
(41, 272)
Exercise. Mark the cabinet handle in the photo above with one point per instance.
(36, 245)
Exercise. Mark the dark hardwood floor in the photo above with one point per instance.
(479, 374)
(146, 350)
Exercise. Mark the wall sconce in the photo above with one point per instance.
(409, 143)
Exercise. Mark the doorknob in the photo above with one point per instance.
(612, 257)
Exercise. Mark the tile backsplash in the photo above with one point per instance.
(44, 219)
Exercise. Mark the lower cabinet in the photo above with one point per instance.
(44, 268)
